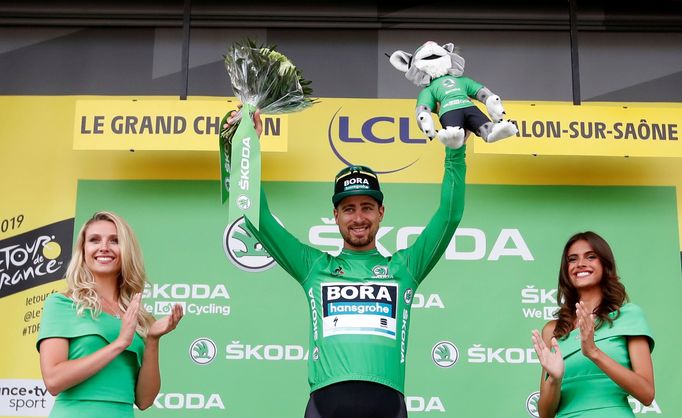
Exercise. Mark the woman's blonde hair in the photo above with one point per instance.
(131, 280)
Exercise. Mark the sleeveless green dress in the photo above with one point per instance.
(586, 391)
(110, 393)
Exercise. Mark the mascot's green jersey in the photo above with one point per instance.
(450, 91)
(360, 301)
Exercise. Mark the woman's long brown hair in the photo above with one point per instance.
(613, 291)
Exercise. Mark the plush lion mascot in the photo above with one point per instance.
(439, 70)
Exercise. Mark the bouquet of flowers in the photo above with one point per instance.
(264, 79)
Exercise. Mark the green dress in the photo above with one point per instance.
(586, 391)
(110, 393)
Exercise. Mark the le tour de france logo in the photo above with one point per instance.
(393, 140)
(243, 249)
(35, 257)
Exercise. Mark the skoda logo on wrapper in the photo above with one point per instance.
(445, 354)
(243, 249)
(243, 202)
(532, 404)
(202, 351)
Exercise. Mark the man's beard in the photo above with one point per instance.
(357, 242)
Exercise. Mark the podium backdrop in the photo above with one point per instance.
(241, 349)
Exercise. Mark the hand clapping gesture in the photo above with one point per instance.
(158, 329)
(129, 321)
(166, 324)
(550, 359)
(586, 328)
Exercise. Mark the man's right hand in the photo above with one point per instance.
(257, 121)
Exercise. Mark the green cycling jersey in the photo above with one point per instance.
(360, 300)
(451, 92)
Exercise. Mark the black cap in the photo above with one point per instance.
(356, 180)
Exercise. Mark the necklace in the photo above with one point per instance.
(110, 310)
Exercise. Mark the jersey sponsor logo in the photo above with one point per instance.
(455, 103)
(243, 249)
(313, 313)
(445, 354)
(407, 296)
(356, 183)
(367, 308)
(403, 334)
(449, 82)
(381, 272)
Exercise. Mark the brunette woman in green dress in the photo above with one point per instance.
(98, 348)
(598, 350)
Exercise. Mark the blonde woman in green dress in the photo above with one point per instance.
(99, 350)
(598, 350)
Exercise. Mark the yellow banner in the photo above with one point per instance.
(614, 129)
(173, 125)
(545, 128)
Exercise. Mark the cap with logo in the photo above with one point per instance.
(356, 180)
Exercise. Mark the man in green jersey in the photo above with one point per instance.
(360, 300)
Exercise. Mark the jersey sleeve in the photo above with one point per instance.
(423, 255)
(473, 87)
(293, 256)
(426, 98)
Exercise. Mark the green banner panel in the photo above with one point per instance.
(241, 349)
